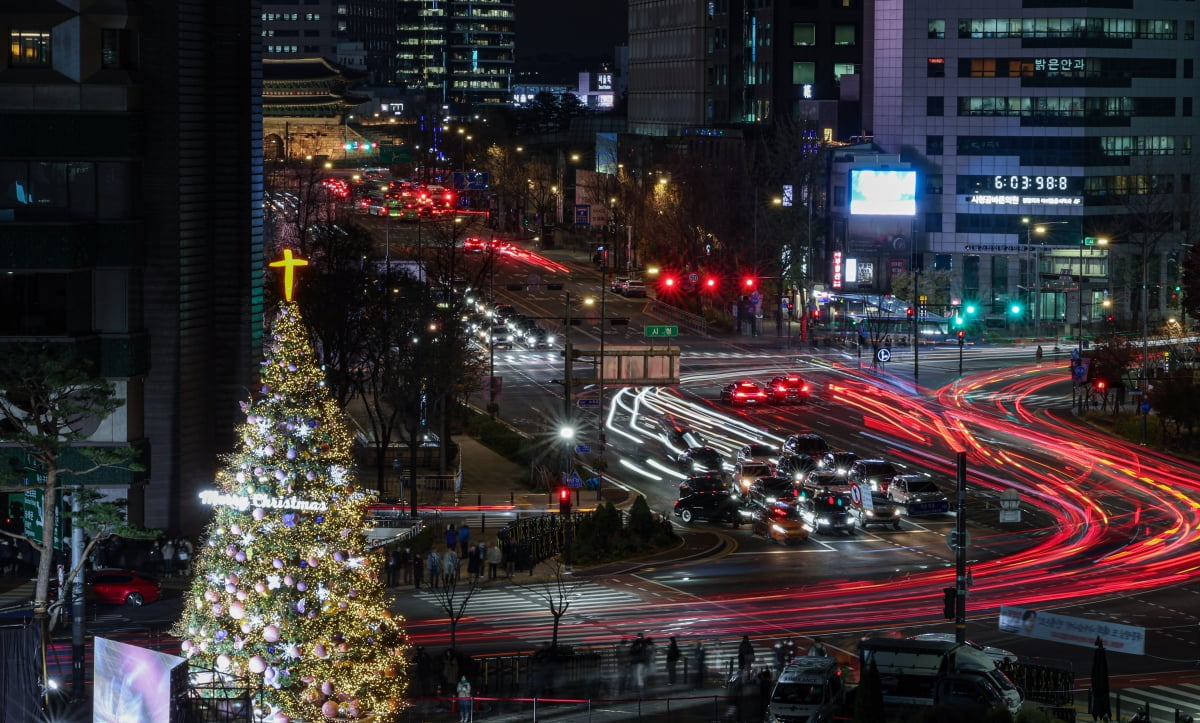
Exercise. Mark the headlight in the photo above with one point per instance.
(778, 530)
(549, 340)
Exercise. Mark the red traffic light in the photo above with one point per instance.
(749, 283)
(564, 494)
(962, 335)
(710, 283)
(910, 312)
(669, 282)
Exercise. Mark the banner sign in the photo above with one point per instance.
(1072, 631)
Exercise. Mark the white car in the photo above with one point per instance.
(999, 655)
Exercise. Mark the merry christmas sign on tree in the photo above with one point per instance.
(287, 596)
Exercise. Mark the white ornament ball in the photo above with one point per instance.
(271, 633)
(257, 664)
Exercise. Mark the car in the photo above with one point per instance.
(474, 244)
(706, 498)
(813, 445)
(743, 392)
(701, 460)
(881, 512)
(998, 655)
(498, 335)
(795, 466)
(634, 289)
(122, 587)
(919, 494)
(757, 452)
(772, 492)
(539, 338)
(788, 388)
(876, 473)
(618, 284)
(827, 512)
(825, 480)
(775, 524)
(839, 462)
(746, 471)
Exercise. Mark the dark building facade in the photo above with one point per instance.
(131, 220)
(458, 52)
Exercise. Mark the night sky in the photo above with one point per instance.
(577, 28)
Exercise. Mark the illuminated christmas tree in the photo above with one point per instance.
(286, 593)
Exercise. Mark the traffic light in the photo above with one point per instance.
(749, 283)
(710, 283)
(564, 500)
(949, 602)
(669, 283)
(1015, 309)
(911, 312)
(970, 310)
(962, 337)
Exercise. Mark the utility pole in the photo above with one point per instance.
(960, 551)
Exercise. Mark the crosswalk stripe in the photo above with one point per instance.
(1183, 698)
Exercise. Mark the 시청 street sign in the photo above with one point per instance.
(660, 331)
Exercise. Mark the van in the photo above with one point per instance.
(809, 689)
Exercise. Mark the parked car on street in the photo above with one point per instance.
(122, 587)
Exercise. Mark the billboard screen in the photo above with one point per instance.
(883, 193)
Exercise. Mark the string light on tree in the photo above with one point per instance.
(287, 597)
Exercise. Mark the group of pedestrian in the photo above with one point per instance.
(173, 556)
(444, 569)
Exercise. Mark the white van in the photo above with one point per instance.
(810, 689)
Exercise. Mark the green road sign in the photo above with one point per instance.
(34, 514)
(660, 331)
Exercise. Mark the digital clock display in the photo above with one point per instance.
(1028, 185)
(1056, 184)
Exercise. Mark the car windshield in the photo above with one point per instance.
(879, 468)
(798, 694)
(923, 487)
(759, 450)
(705, 456)
(809, 445)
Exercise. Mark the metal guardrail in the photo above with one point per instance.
(689, 322)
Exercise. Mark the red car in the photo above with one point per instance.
(743, 392)
(474, 244)
(122, 587)
(789, 388)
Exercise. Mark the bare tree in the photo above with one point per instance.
(453, 596)
(557, 593)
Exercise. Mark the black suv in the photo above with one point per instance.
(706, 498)
(828, 512)
(768, 492)
(876, 473)
(795, 466)
(812, 445)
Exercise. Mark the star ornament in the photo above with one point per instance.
(291, 651)
(274, 582)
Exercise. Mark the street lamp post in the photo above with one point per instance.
(1089, 241)
(1030, 228)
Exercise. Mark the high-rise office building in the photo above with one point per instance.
(459, 53)
(130, 221)
(1040, 129)
(721, 63)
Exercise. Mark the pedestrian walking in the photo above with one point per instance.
(464, 539)
(745, 653)
(464, 700)
(451, 535)
(494, 557)
(450, 567)
(435, 569)
(780, 655)
(700, 655)
(818, 649)
(673, 656)
(406, 565)
(473, 563)
(764, 691)
(394, 563)
(167, 562)
(418, 570)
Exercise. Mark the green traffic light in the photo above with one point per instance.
(970, 309)
(1016, 309)
(958, 321)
